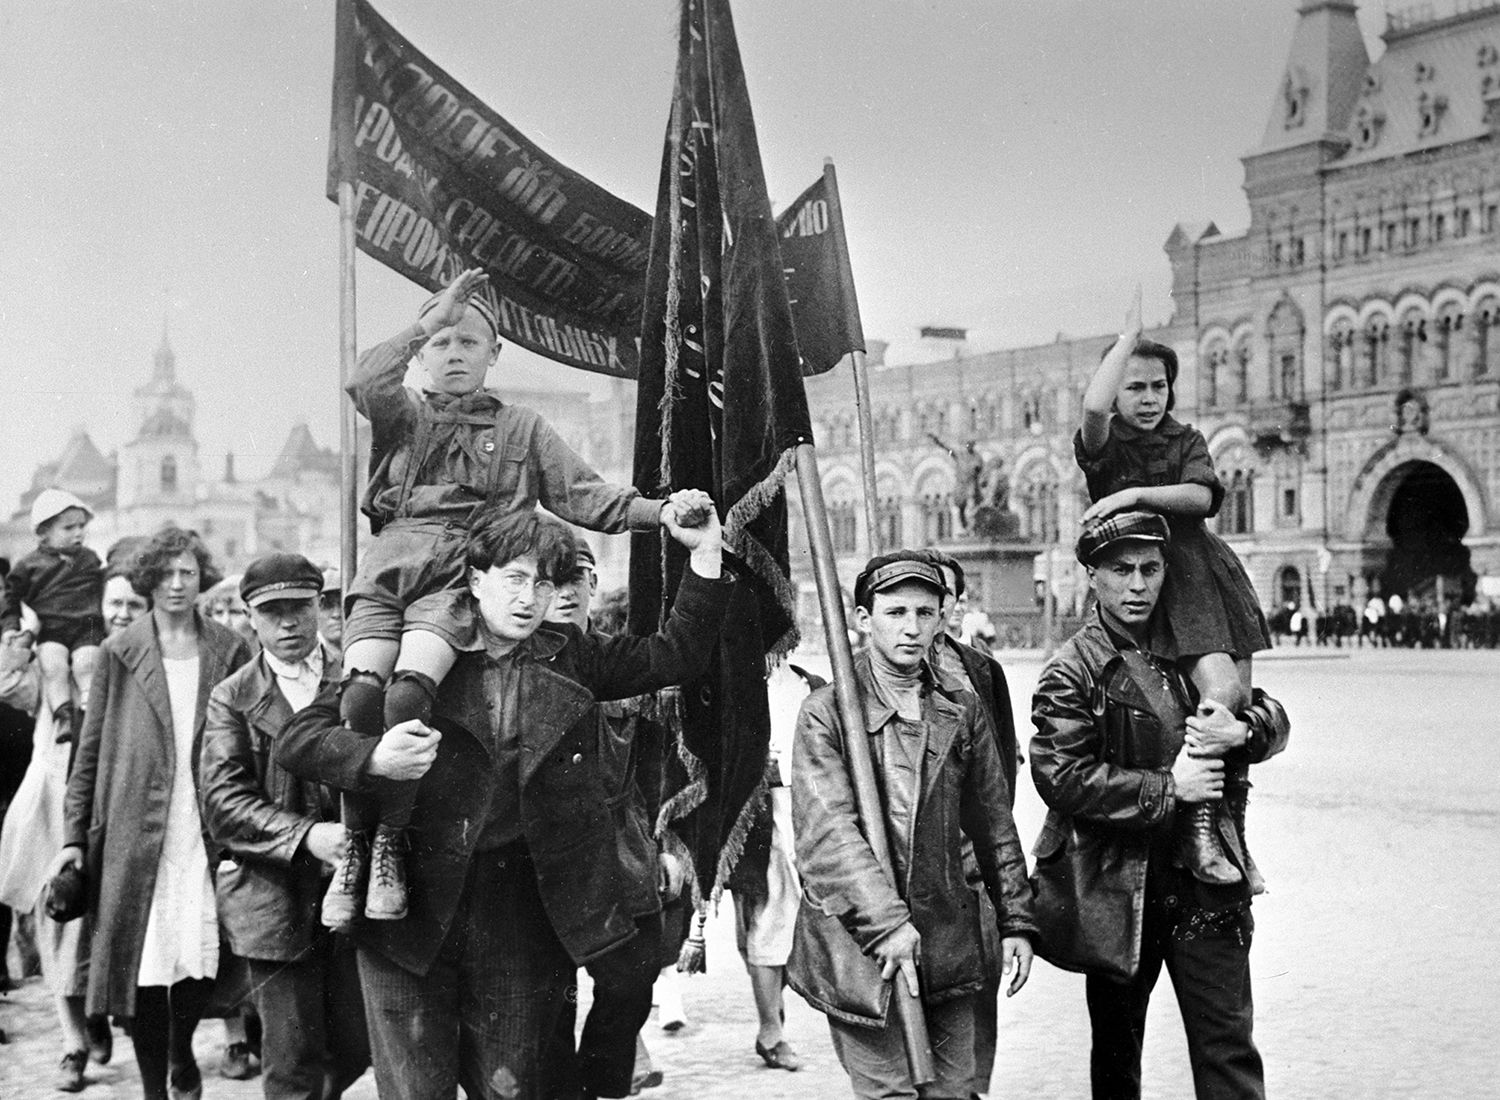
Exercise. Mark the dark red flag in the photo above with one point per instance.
(720, 407)
(819, 283)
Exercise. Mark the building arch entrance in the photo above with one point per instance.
(1418, 514)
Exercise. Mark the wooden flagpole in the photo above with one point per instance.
(905, 1004)
(343, 114)
(861, 377)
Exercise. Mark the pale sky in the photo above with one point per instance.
(1010, 166)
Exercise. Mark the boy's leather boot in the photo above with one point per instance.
(1198, 849)
(385, 898)
(346, 892)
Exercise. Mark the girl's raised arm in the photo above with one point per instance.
(1099, 398)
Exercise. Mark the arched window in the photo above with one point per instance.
(1237, 474)
(1340, 364)
(843, 518)
(1242, 371)
(1413, 336)
(888, 522)
(1289, 586)
(1284, 339)
(935, 499)
(1215, 364)
(1031, 412)
(1376, 337)
(1487, 338)
(1449, 323)
(1038, 500)
(168, 475)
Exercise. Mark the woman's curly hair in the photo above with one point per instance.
(150, 563)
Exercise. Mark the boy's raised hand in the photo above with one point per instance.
(454, 300)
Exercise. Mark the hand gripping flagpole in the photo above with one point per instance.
(905, 1003)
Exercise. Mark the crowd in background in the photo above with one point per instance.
(1419, 622)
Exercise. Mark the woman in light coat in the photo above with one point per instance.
(132, 815)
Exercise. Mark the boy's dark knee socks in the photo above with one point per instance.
(361, 702)
(410, 695)
(361, 699)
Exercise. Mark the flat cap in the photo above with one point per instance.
(280, 577)
(889, 570)
(1100, 534)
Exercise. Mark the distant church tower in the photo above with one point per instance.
(159, 467)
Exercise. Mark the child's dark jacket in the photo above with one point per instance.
(56, 585)
(437, 456)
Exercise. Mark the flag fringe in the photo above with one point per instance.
(671, 392)
(734, 843)
(746, 510)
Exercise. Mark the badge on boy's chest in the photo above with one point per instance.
(487, 446)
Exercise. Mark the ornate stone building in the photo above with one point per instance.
(157, 478)
(1342, 355)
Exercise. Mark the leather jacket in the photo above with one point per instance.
(267, 886)
(848, 904)
(595, 877)
(1102, 763)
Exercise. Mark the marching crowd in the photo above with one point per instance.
(396, 816)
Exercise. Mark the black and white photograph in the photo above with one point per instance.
(932, 549)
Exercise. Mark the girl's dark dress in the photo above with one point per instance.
(1208, 604)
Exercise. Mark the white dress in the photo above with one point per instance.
(182, 932)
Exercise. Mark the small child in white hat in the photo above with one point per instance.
(62, 581)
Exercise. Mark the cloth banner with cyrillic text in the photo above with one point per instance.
(443, 183)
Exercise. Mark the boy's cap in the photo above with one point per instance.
(51, 503)
(332, 580)
(584, 552)
(879, 577)
(1101, 534)
(478, 302)
(280, 577)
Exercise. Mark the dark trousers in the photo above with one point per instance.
(1210, 971)
(162, 1034)
(485, 1013)
(605, 1061)
(315, 1043)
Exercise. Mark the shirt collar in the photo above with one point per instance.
(877, 710)
(313, 663)
(1119, 638)
(481, 400)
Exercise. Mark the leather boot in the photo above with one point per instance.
(1236, 799)
(386, 897)
(1198, 849)
(346, 892)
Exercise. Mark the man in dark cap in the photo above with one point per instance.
(1118, 749)
(280, 836)
(939, 774)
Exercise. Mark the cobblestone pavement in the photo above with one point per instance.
(1374, 959)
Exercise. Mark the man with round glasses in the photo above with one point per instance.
(517, 875)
